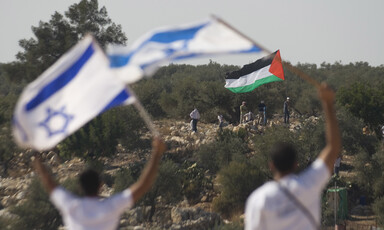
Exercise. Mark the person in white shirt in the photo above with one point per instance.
(293, 201)
(221, 121)
(92, 211)
(195, 115)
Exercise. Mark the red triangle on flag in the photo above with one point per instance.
(277, 67)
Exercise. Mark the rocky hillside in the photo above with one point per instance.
(178, 137)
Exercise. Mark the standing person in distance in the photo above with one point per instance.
(92, 211)
(337, 165)
(221, 121)
(286, 111)
(195, 115)
(289, 201)
(262, 113)
(243, 111)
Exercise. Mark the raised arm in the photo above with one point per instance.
(332, 133)
(48, 182)
(149, 173)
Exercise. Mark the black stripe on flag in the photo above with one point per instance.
(250, 68)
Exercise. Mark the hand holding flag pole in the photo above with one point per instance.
(286, 64)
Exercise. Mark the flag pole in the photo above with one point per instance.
(291, 68)
(144, 114)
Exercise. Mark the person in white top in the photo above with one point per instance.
(195, 115)
(221, 121)
(92, 211)
(292, 201)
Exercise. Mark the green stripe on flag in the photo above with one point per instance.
(249, 88)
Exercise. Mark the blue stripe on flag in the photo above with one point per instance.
(194, 55)
(175, 35)
(201, 54)
(119, 60)
(118, 100)
(165, 37)
(61, 80)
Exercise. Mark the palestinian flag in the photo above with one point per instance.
(265, 70)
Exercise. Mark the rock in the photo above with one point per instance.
(178, 215)
(50, 154)
(175, 133)
(20, 195)
(193, 218)
(137, 215)
(138, 228)
(7, 201)
(7, 215)
(178, 139)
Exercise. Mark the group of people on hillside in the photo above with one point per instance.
(246, 116)
(289, 201)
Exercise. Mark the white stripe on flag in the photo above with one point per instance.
(248, 79)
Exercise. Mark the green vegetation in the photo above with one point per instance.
(237, 181)
(36, 206)
(219, 154)
(236, 160)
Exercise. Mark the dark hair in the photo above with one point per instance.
(90, 182)
(283, 156)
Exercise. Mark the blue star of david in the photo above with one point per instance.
(56, 114)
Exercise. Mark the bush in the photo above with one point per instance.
(195, 182)
(378, 168)
(364, 172)
(167, 185)
(101, 136)
(6, 222)
(378, 209)
(36, 212)
(123, 179)
(227, 147)
(352, 135)
(237, 181)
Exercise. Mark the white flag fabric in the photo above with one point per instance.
(75, 89)
(162, 45)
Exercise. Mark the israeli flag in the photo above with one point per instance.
(78, 87)
(160, 46)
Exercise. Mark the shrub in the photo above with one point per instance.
(101, 136)
(364, 172)
(167, 185)
(123, 179)
(195, 182)
(378, 209)
(227, 147)
(36, 212)
(6, 222)
(352, 136)
(237, 181)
